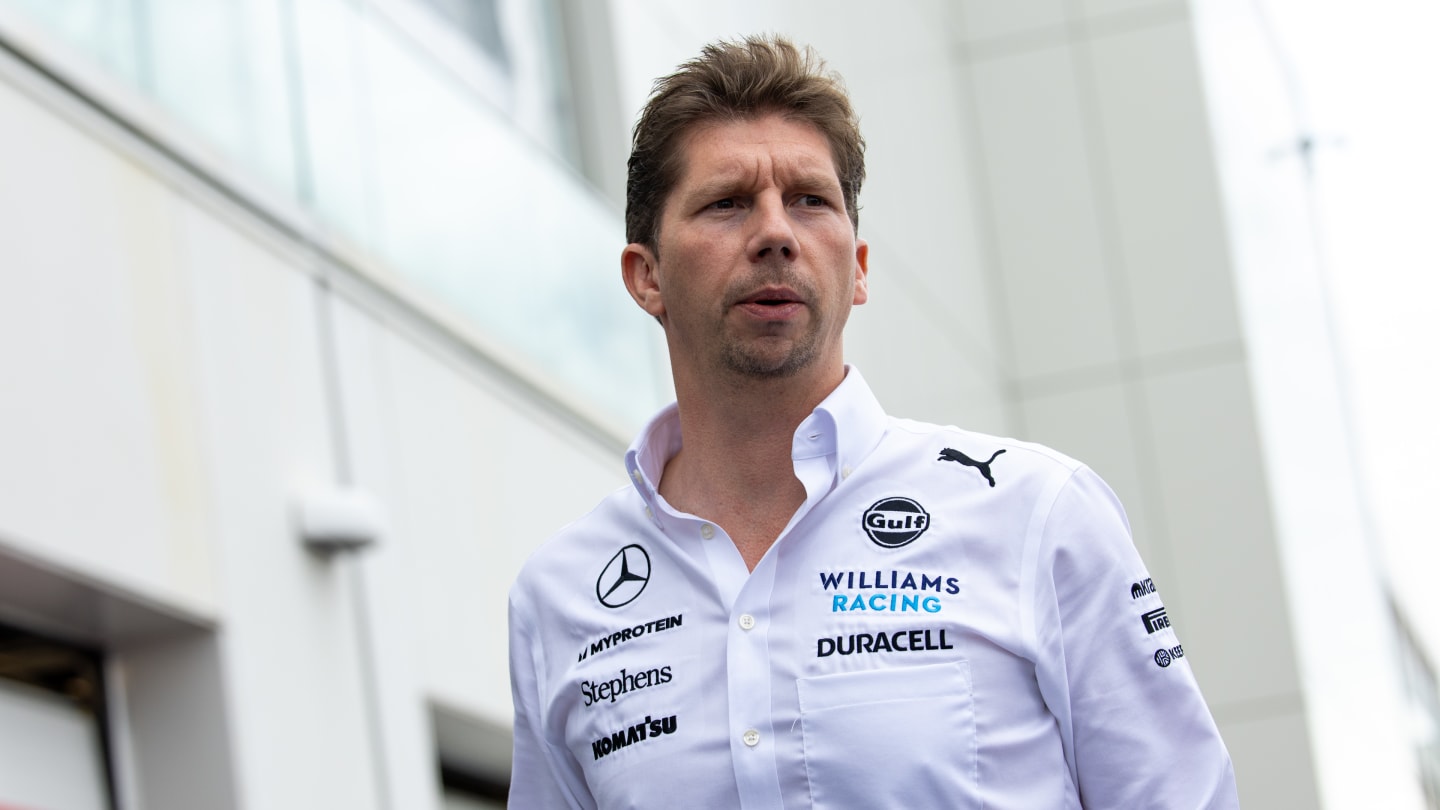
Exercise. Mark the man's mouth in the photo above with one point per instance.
(771, 297)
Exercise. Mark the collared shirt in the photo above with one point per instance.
(950, 620)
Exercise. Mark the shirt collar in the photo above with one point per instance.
(844, 427)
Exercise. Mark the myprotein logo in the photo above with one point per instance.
(647, 729)
(611, 640)
(895, 522)
(624, 577)
(610, 690)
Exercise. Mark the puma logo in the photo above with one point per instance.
(983, 466)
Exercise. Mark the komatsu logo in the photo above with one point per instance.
(647, 729)
(895, 522)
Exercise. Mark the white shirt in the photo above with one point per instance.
(927, 632)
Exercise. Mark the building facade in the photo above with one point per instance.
(311, 330)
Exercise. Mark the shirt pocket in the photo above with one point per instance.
(901, 737)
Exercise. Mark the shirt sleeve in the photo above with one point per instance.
(535, 772)
(1135, 728)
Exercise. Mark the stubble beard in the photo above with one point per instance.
(751, 357)
(747, 360)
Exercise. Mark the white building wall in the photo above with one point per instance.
(178, 374)
(1111, 247)
(1050, 259)
(1325, 502)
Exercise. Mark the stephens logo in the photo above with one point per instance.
(1165, 658)
(595, 691)
(624, 577)
(647, 729)
(895, 522)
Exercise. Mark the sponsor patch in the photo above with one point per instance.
(624, 683)
(1155, 620)
(895, 522)
(621, 636)
(624, 577)
(647, 729)
(1165, 657)
(890, 591)
(950, 454)
(900, 641)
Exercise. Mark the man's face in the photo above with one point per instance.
(757, 263)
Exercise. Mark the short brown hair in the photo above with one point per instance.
(735, 81)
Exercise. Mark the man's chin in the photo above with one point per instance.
(752, 363)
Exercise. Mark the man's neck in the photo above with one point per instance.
(734, 467)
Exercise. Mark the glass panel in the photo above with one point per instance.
(51, 752)
(105, 30)
(455, 800)
(51, 709)
(450, 175)
(451, 196)
(219, 66)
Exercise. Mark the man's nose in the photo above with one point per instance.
(773, 233)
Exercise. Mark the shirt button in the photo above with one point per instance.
(747, 622)
(707, 531)
(751, 738)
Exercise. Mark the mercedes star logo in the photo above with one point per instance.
(624, 577)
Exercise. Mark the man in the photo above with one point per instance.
(800, 602)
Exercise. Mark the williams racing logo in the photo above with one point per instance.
(895, 522)
(624, 577)
(887, 591)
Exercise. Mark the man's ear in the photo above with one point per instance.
(639, 267)
(862, 272)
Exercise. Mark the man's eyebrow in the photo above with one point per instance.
(723, 184)
(817, 178)
(717, 186)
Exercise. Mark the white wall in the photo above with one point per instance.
(1322, 497)
(168, 362)
(1050, 258)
